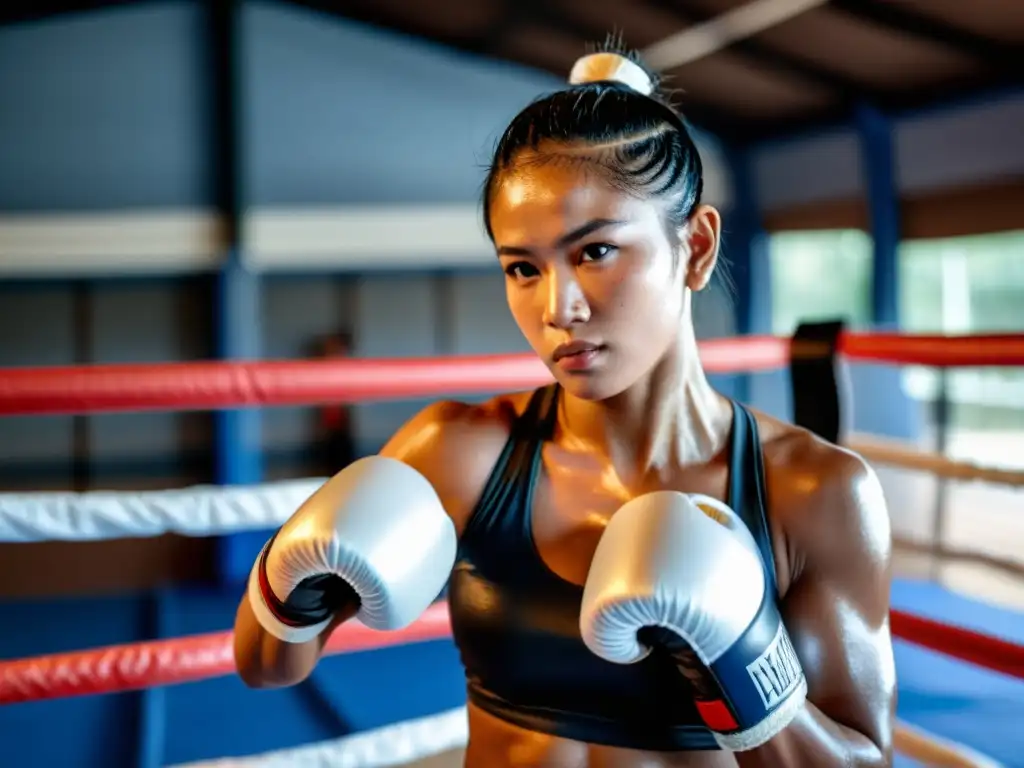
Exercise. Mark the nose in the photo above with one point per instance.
(565, 303)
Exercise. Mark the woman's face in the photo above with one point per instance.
(592, 278)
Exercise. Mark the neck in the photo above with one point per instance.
(670, 419)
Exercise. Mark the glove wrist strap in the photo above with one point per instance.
(767, 729)
(266, 608)
(755, 690)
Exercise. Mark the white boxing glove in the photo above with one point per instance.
(378, 527)
(688, 568)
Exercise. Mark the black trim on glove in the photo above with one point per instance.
(314, 600)
(704, 686)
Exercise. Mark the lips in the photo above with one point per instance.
(578, 357)
(573, 349)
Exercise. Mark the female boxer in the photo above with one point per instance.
(643, 573)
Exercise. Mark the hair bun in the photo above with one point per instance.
(614, 67)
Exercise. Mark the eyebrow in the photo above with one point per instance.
(567, 239)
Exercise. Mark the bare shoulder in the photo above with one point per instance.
(826, 503)
(455, 445)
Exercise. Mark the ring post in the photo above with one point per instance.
(819, 380)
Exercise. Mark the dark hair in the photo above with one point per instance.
(650, 150)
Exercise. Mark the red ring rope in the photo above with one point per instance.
(984, 651)
(165, 662)
(134, 666)
(211, 385)
(983, 350)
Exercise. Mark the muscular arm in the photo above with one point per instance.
(263, 661)
(454, 446)
(837, 613)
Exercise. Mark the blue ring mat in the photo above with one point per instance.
(951, 699)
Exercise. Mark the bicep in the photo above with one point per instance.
(847, 657)
(837, 612)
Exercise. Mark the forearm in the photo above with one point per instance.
(264, 661)
(813, 738)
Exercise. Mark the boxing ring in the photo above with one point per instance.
(960, 662)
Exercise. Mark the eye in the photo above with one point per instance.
(597, 251)
(521, 270)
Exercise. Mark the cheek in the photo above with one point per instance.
(521, 305)
(645, 290)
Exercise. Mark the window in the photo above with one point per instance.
(967, 285)
(820, 275)
(963, 284)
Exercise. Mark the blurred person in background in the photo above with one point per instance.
(335, 440)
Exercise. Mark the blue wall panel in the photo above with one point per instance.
(343, 113)
(238, 455)
(891, 412)
(105, 111)
(745, 253)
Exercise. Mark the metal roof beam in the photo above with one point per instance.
(893, 16)
(763, 55)
(718, 32)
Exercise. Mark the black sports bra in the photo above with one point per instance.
(516, 623)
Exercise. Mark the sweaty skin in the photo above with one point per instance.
(584, 262)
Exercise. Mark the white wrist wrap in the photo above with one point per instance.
(269, 621)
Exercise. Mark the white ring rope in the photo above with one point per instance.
(392, 745)
(196, 511)
(928, 749)
(895, 454)
(218, 510)
(405, 744)
(947, 554)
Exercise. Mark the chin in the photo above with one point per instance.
(593, 386)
